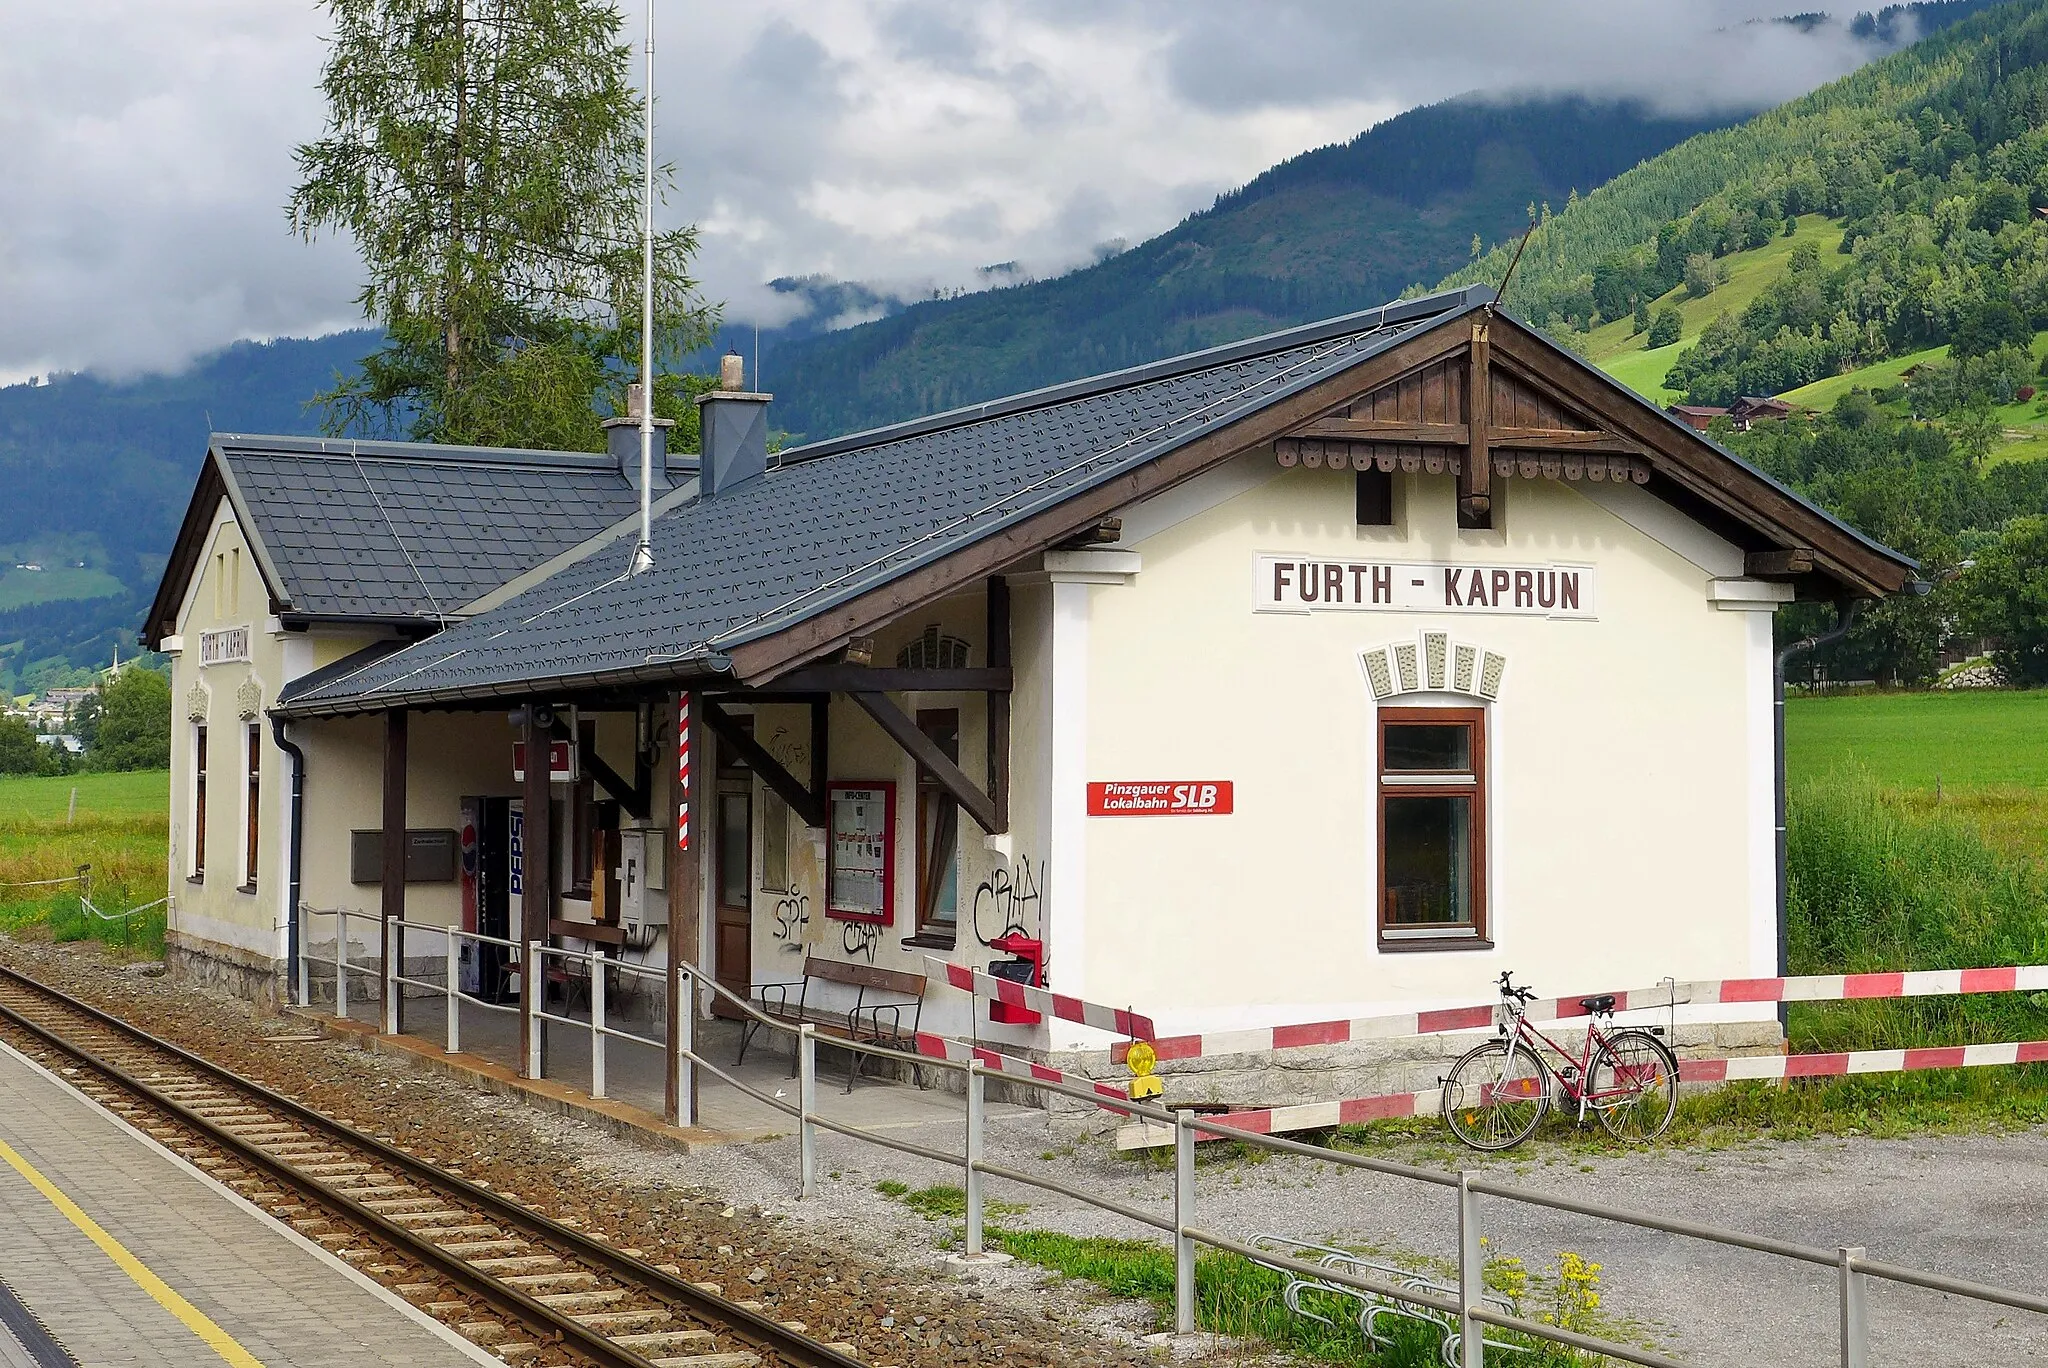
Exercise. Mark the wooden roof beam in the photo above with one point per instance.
(931, 760)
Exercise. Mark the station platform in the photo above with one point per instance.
(120, 1253)
(634, 1075)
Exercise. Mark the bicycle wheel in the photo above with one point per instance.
(1634, 1086)
(1496, 1095)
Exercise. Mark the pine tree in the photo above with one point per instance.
(485, 155)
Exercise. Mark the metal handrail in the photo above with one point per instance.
(1468, 1308)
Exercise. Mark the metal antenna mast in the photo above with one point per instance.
(643, 554)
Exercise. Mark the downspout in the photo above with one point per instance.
(1845, 618)
(294, 851)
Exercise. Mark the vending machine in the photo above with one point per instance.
(490, 836)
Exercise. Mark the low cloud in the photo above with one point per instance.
(145, 149)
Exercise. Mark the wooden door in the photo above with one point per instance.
(732, 944)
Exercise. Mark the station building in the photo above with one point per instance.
(1318, 675)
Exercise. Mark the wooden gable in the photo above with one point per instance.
(1427, 420)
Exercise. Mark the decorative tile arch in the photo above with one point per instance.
(1433, 663)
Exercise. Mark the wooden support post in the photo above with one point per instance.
(392, 875)
(1475, 479)
(537, 879)
(998, 713)
(685, 879)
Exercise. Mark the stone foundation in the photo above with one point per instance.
(227, 969)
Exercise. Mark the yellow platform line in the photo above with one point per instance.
(195, 1320)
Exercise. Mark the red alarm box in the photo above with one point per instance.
(1028, 967)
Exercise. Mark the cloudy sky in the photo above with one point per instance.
(145, 145)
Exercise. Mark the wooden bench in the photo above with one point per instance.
(871, 1023)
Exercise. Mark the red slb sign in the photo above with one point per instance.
(1161, 798)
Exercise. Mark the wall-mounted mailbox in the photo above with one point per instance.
(430, 856)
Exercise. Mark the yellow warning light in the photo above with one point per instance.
(1142, 1059)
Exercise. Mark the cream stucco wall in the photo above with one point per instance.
(217, 904)
(1627, 825)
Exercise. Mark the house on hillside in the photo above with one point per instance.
(1319, 675)
(1695, 416)
(1751, 409)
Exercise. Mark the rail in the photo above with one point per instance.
(746, 1320)
(1468, 1312)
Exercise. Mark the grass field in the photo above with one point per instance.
(1969, 739)
(121, 829)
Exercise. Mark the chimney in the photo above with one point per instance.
(622, 441)
(734, 424)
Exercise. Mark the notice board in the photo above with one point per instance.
(861, 859)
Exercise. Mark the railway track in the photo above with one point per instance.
(534, 1291)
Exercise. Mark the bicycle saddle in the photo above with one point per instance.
(1598, 1006)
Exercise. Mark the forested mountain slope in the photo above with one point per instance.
(1340, 228)
(100, 471)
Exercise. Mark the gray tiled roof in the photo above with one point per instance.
(395, 529)
(836, 519)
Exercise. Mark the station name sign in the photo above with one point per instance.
(222, 647)
(1297, 584)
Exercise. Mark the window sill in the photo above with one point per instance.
(927, 940)
(1410, 945)
(195, 878)
(248, 888)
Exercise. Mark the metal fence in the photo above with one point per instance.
(1467, 1313)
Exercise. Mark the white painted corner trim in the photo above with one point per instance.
(1748, 595)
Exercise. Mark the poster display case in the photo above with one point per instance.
(861, 858)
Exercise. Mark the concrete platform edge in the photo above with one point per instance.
(474, 1352)
(617, 1118)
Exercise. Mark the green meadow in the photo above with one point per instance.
(118, 825)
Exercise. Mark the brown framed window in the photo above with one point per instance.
(938, 833)
(1432, 827)
(253, 797)
(199, 800)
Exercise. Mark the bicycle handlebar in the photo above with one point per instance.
(1508, 989)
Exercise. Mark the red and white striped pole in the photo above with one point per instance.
(682, 771)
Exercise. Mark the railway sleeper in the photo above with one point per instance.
(731, 1359)
(395, 1206)
(655, 1342)
(463, 1249)
(604, 1322)
(571, 1302)
(550, 1282)
(457, 1232)
(517, 1263)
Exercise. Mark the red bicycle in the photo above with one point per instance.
(1496, 1096)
